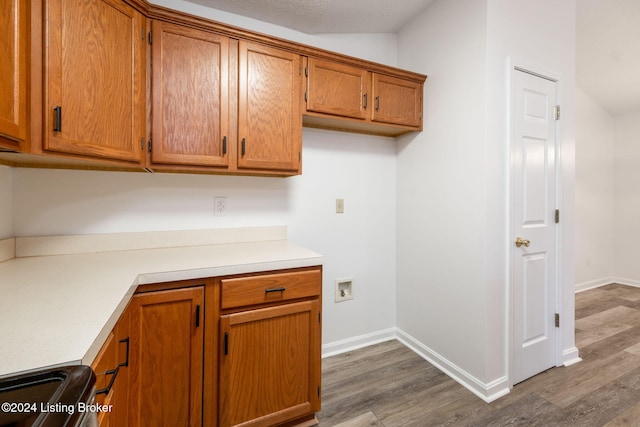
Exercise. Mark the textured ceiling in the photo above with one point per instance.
(326, 16)
(607, 39)
(608, 53)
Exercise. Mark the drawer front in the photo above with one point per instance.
(268, 288)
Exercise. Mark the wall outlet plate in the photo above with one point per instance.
(219, 206)
(344, 290)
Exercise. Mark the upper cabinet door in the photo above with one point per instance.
(13, 71)
(94, 86)
(397, 101)
(190, 96)
(337, 89)
(269, 118)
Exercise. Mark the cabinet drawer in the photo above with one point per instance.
(243, 291)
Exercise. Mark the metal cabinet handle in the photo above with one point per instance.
(114, 372)
(364, 101)
(377, 103)
(522, 242)
(224, 145)
(271, 290)
(57, 124)
(242, 148)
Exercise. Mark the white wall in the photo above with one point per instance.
(441, 188)
(361, 169)
(377, 47)
(627, 199)
(453, 240)
(594, 193)
(540, 34)
(359, 243)
(6, 202)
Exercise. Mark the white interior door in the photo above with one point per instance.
(533, 151)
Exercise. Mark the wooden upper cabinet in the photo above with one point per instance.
(190, 96)
(13, 72)
(351, 98)
(396, 101)
(269, 116)
(94, 79)
(337, 89)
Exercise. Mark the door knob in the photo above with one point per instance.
(522, 242)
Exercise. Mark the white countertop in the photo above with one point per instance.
(59, 309)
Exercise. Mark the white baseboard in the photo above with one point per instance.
(585, 286)
(592, 284)
(354, 343)
(625, 281)
(485, 391)
(570, 356)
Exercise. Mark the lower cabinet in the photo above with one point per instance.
(230, 351)
(111, 367)
(268, 371)
(270, 348)
(167, 336)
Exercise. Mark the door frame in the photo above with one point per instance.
(514, 65)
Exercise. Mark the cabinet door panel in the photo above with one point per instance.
(13, 71)
(269, 119)
(397, 101)
(190, 99)
(337, 89)
(94, 79)
(271, 370)
(166, 358)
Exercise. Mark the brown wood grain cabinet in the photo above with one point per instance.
(130, 85)
(396, 101)
(14, 42)
(94, 79)
(111, 367)
(190, 97)
(270, 348)
(337, 89)
(350, 97)
(269, 119)
(166, 362)
(226, 351)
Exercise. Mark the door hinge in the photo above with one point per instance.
(149, 145)
(150, 37)
(557, 216)
(556, 112)
(557, 319)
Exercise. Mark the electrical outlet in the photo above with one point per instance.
(219, 206)
(339, 205)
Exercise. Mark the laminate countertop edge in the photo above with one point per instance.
(59, 310)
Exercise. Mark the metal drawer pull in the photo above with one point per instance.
(114, 372)
(268, 291)
(57, 124)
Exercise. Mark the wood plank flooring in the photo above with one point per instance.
(388, 385)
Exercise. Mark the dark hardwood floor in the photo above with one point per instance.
(389, 385)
